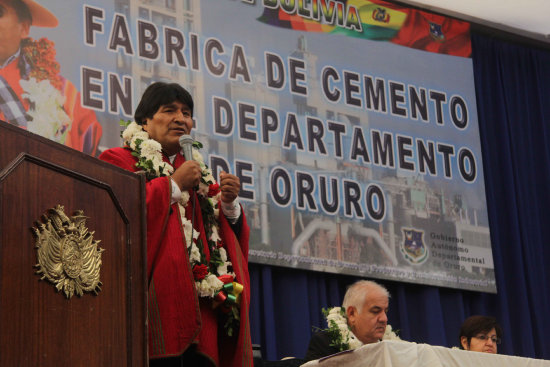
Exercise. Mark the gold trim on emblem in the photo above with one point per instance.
(68, 256)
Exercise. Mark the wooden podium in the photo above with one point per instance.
(39, 325)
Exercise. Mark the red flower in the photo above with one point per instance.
(213, 189)
(41, 57)
(200, 271)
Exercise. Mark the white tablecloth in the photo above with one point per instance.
(405, 354)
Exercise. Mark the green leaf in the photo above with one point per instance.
(200, 247)
(232, 323)
(215, 258)
(123, 123)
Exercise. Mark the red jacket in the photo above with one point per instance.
(177, 317)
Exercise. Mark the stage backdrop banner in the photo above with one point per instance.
(351, 124)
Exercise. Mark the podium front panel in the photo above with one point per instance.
(43, 319)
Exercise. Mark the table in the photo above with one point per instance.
(405, 354)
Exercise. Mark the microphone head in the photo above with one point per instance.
(186, 139)
(186, 144)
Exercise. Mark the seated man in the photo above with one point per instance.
(366, 306)
(480, 334)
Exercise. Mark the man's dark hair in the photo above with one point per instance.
(478, 324)
(160, 94)
(21, 10)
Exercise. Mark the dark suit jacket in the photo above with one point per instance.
(319, 346)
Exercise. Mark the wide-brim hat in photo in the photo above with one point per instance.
(41, 17)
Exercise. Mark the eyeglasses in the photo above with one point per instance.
(484, 338)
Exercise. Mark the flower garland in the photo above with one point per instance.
(341, 335)
(213, 279)
(42, 86)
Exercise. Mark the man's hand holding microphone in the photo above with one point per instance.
(188, 175)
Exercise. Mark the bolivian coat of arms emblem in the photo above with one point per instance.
(68, 256)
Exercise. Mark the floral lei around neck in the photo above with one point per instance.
(341, 336)
(42, 86)
(214, 279)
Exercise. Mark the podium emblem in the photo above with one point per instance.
(68, 256)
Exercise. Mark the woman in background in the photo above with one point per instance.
(480, 334)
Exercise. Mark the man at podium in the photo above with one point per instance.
(362, 320)
(197, 238)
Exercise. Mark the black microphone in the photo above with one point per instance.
(186, 143)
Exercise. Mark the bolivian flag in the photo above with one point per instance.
(382, 21)
(379, 21)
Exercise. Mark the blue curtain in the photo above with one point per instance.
(513, 100)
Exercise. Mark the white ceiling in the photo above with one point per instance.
(528, 18)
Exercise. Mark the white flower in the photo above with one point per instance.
(197, 156)
(334, 314)
(195, 255)
(150, 148)
(157, 162)
(209, 286)
(203, 189)
(222, 269)
(49, 119)
(343, 325)
(223, 254)
(214, 201)
(209, 177)
(130, 131)
(138, 136)
(163, 167)
(214, 282)
(215, 237)
(203, 289)
(389, 334)
(184, 198)
(187, 226)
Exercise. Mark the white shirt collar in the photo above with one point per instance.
(10, 59)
